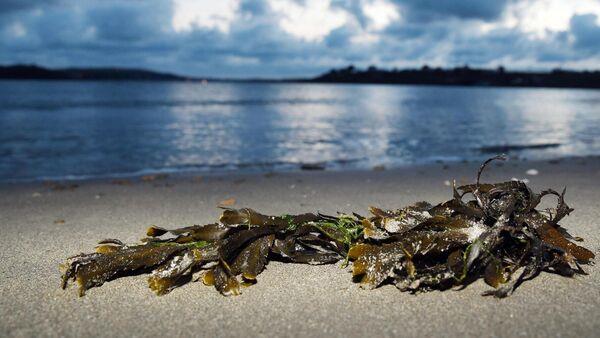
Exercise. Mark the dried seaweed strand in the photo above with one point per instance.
(497, 235)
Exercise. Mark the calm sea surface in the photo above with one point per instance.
(69, 129)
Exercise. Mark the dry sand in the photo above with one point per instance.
(289, 299)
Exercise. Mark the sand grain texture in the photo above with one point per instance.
(289, 299)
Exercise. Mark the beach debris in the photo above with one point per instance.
(312, 166)
(56, 186)
(59, 221)
(121, 182)
(532, 172)
(379, 167)
(489, 231)
(36, 194)
(227, 202)
(507, 148)
(154, 177)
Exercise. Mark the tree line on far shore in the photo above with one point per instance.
(462, 76)
(465, 76)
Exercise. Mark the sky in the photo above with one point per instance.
(287, 38)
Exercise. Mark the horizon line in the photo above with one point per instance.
(296, 78)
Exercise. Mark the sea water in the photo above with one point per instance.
(82, 129)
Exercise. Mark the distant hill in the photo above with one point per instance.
(464, 76)
(28, 72)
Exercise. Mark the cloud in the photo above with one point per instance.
(586, 32)
(10, 6)
(310, 20)
(190, 14)
(243, 38)
(380, 13)
(463, 9)
(123, 22)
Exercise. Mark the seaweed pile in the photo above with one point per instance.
(497, 234)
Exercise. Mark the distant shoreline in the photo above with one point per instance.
(461, 76)
(464, 76)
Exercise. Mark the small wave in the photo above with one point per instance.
(215, 168)
(162, 103)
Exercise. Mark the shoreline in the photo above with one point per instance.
(457, 76)
(297, 168)
(289, 299)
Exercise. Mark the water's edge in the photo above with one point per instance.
(186, 174)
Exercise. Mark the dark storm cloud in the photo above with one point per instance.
(8, 6)
(121, 23)
(465, 9)
(254, 7)
(139, 33)
(339, 37)
(494, 45)
(586, 32)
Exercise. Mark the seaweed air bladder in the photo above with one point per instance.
(489, 231)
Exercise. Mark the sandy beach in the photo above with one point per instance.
(41, 226)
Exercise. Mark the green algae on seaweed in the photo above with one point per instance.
(497, 235)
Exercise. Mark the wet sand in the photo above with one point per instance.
(289, 299)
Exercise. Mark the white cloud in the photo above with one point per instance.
(311, 21)
(380, 12)
(211, 14)
(541, 17)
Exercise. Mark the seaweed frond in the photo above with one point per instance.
(498, 236)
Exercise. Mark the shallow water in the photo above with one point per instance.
(70, 129)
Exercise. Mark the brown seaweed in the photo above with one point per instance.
(497, 235)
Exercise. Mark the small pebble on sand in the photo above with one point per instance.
(532, 172)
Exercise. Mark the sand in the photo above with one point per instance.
(289, 299)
